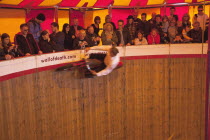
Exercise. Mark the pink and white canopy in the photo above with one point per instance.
(88, 3)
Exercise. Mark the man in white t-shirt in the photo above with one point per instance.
(98, 64)
(201, 18)
(111, 60)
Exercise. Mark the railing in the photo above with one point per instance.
(26, 65)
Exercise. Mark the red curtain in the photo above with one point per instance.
(180, 11)
(79, 15)
(118, 14)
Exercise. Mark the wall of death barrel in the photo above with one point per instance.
(149, 99)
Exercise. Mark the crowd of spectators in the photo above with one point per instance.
(137, 31)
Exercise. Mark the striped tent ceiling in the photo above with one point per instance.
(87, 3)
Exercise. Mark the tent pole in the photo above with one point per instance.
(26, 15)
(164, 8)
(110, 10)
(83, 16)
(56, 14)
(70, 16)
(207, 107)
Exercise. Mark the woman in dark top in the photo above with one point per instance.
(3, 56)
(69, 37)
(45, 43)
(97, 21)
(8, 48)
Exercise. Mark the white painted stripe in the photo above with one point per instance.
(17, 65)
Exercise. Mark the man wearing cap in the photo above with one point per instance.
(34, 25)
(130, 26)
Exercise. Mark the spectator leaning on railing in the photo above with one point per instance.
(69, 37)
(57, 36)
(45, 43)
(154, 37)
(81, 42)
(131, 27)
(26, 42)
(3, 55)
(8, 47)
(123, 35)
(178, 39)
(93, 38)
(195, 33)
(108, 36)
(185, 34)
(140, 39)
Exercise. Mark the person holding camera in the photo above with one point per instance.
(7, 50)
(81, 42)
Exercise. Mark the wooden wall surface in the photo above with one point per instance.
(147, 99)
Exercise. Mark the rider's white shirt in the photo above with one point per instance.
(110, 62)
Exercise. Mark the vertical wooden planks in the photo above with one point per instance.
(149, 99)
(187, 93)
